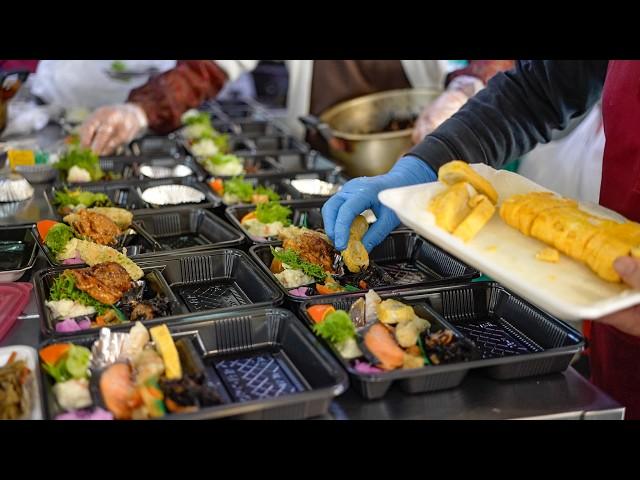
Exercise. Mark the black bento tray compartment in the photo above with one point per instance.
(277, 143)
(209, 201)
(408, 258)
(128, 168)
(294, 163)
(24, 237)
(122, 194)
(520, 339)
(263, 363)
(218, 280)
(157, 285)
(155, 145)
(137, 245)
(304, 212)
(187, 230)
(551, 343)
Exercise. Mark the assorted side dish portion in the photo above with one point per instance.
(142, 374)
(238, 190)
(308, 264)
(89, 235)
(378, 335)
(16, 388)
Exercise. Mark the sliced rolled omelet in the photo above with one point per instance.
(451, 207)
(602, 250)
(458, 171)
(481, 213)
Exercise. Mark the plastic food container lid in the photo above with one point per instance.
(13, 298)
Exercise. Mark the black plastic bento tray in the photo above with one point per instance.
(411, 260)
(28, 235)
(301, 209)
(292, 163)
(141, 246)
(298, 378)
(122, 194)
(128, 167)
(187, 230)
(219, 281)
(545, 345)
(155, 145)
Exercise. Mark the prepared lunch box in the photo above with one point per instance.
(408, 259)
(197, 283)
(512, 338)
(263, 364)
(122, 194)
(136, 242)
(305, 213)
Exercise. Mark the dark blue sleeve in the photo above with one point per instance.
(517, 110)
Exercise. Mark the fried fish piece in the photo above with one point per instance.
(106, 282)
(94, 226)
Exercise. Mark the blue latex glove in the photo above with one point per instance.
(360, 194)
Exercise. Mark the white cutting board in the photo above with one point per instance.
(568, 289)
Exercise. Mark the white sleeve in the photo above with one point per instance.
(426, 73)
(235, 68)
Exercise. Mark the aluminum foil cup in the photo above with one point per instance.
(165, 172)
(107, 348)
(172, 195)
(14, 188)
(313, 186)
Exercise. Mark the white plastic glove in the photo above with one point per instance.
(460, 90)
(109, 127)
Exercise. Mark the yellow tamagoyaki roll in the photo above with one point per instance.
(451, 207)
(481, 213)
(458, 171)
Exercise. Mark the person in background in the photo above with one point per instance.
(516, 111)
(89, 84)
(9, 65)
(314, 86)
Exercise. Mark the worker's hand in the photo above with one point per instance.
(109, 127)
(627, 321)
(361, 194)
(458, 92)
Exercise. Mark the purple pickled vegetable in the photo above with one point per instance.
(365, 367)
(95, 414)
(299, 292)
(73, 325)
(73, 261)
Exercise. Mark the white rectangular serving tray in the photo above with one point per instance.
(568, 289)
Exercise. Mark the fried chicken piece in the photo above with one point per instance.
(313, 249)
(95, 226)
(106, 282)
